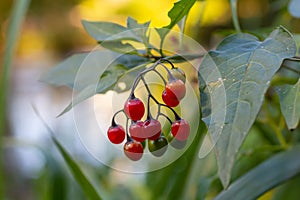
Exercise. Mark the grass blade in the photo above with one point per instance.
(264, 177)
(87, 187)
(14, 26)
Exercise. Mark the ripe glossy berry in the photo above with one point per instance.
(133, 150)
(177, 144)
(176, 87)
(170, 99)
(116, 134)
(134, 108)
(158, 147)
(152, 129)
(136, 130)
(180, 129)
(178, 74)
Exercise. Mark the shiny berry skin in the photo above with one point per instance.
(180, 129)
(136, 130)
(178, 74)
(152, 129)
(170, 99)
(176, 87)
(158, 147)
(133, 150)
(116, 134)
(134, 108)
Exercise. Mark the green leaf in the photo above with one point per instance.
(119, 47)
(65, 72)
(183, 58)
(289, 96)
(294, 8)
(84, 69)
(233, 81)
(82, 73)
(140, 30)
(108, 78)
(264, 177)
(108, 31)
(108, 81)
(179, 10)
(289, 190)
(203, 187)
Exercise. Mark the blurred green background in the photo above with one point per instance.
(51, 31)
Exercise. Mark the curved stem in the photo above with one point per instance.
(128, 138)
(160, 104)
(113, 122)
(138, 78)
(168, 71)
(162, 114)
(233, 4)
(166, 60)
(149, 116)
(162, 78)
(146, 86)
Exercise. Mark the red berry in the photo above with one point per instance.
(133, 150)
(152, 129)
(116, 134)
(180, 129)
(176, 87)
(134, 109)
(170, 99)
(136, 131)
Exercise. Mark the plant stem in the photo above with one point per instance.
(113, 122)
(16, 19)
(233, 4)
(162, 114)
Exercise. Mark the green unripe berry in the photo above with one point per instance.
(158, 147)
(177, 73)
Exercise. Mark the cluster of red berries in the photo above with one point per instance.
(150, 130)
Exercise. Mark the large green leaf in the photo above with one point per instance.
(289, 190)
(179, 10)
(108, 31)
(140, 30)
(108, 81)
(95, 72)
(80, 70)
(289, 96)
(264, 177)
(243, 66)
(121, 47)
